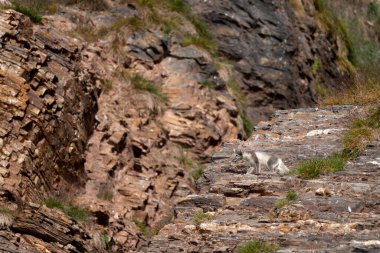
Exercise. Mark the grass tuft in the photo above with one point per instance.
(291, 196)
(75, 212)
(247, 123)
(256, 247)
(101, 241)
(199, 41)
(140, 83)
(196, 169)
(362, 132)
(200, 216)
(281, 203)
(316, 66)
(313, 168)
(31, 12)
(365, 90)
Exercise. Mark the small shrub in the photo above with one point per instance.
(200, 216)
(313, 168)
(75, 212)
(140, 83)
(256, 247)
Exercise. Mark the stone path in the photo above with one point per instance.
(337, 212)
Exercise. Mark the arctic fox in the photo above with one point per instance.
(257, 159)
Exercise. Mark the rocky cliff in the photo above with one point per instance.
(108, 112)
(48, 105)
(275, 47)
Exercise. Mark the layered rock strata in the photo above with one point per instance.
(47, 109)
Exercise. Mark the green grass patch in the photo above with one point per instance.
(256, 247)
(316, 66)
(315, 167)
(140, 83)
(197, 171)
(363, 53)
(236, 91)
(363, 59)
(247, 123)
(281, 203)
(30, 11)
(75, 212)
(291, 196)
(200, 216)
(143, 227)
(200, 41)
(360, 134)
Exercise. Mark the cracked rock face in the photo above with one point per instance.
(47, 108)
(272, 46)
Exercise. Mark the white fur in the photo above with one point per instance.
(263, 160)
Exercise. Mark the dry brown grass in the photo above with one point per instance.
(363, 91)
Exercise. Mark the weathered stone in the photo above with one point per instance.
(207, 202)
(344, 205)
